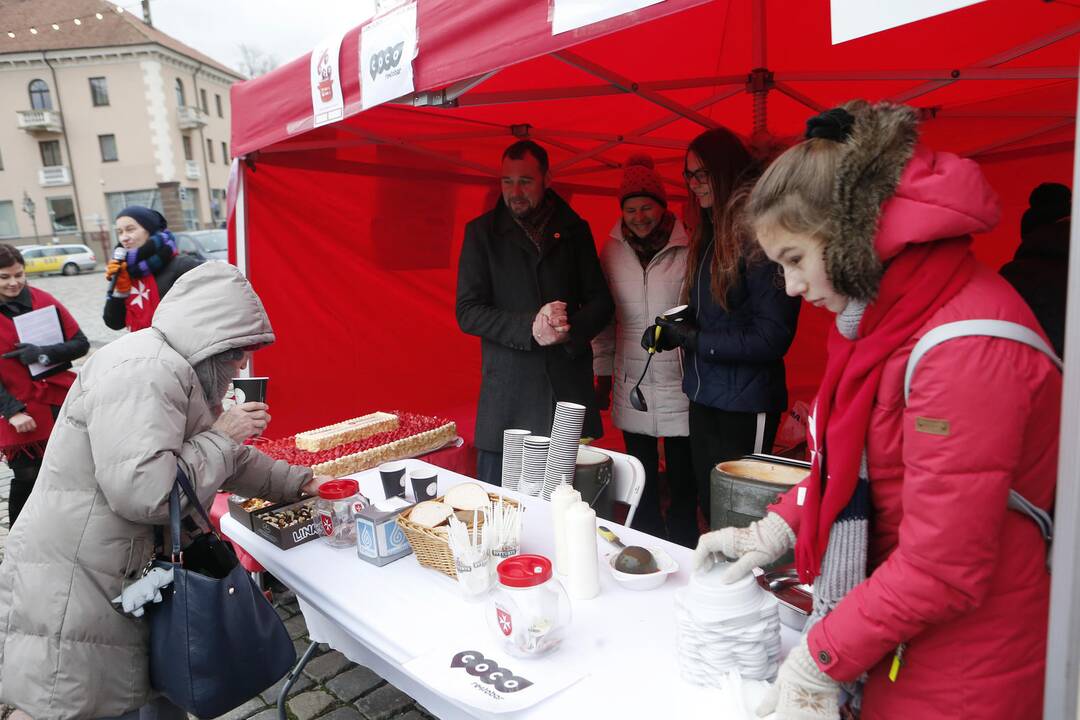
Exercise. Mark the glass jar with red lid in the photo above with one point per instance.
(338, 501)
(528, 611)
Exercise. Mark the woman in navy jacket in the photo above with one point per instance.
(742, 325)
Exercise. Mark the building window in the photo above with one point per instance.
(50, 153)
(217, 101)
(189, 205)
(40, 97)
(8, 227)
(1, 162)
(99, 91)
(180, 100)
(117, 201)
(186, 139)
(62, 213)
(224, 152)
(108, 148)
(202, 99)
(209, 150)
(218, 205)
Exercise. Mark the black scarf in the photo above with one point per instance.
(657, 239)
(536, 220)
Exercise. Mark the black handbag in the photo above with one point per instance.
(215, 640)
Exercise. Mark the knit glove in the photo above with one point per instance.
(655, 337)
(801, 690)
(681, 333)
(123, 281)
(26, 353)
(144, 590)
(759, 544)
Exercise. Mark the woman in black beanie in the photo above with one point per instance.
(149, 266)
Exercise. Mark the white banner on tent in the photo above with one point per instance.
(327, 99)
(572, 14)
(387, 48)
(855, 18)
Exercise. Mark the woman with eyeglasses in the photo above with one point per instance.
(740, 327)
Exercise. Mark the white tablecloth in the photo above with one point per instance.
(382, 617)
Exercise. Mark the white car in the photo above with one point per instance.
(70, 259)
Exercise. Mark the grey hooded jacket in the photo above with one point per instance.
(135, 412)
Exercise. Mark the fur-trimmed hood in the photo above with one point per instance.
(891, 193)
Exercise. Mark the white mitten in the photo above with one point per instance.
(801, 690)
(759, 544)
(144, 590)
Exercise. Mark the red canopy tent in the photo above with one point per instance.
(351, 232)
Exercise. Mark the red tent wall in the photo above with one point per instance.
(353, 247)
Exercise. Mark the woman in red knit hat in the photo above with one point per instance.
(644, 261)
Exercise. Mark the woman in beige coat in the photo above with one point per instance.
(142, 405)
(644, 262)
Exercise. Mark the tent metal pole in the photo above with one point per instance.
(999, 59)
(593, 170)
(497, 97)
(588, 66)
(959, 112)
(449, 159)
(758, 41)
(241, 219)
(950, 74)
(551, 139)
(1063, 645)
(799, 97)
(671, 143)
(649, 127)
(1021, 137)
(1027, 153)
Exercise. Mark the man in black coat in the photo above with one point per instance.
(530, 285)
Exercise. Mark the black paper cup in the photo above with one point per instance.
(393, 479)
(250, 389)
(424, 484)
(677, 313)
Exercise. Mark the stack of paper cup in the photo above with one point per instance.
(513, 450)
(562, 454)
(532, 464)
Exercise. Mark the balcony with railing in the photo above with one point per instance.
(54, 175)
(35, 121)
(191, 169)
(190, 118)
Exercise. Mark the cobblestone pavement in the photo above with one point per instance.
(332, 687)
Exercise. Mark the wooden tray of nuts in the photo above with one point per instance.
(289, 525)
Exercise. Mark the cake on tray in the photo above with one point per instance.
(413, 435)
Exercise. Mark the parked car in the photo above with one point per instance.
(67, 259)
(204, 244)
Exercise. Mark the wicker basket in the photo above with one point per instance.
(431, 548)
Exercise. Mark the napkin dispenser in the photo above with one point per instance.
(379, 539)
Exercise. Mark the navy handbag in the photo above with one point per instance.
(215, 640)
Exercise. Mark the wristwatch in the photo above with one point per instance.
(44, 359)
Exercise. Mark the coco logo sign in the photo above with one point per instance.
(501, 679)
(386, 60)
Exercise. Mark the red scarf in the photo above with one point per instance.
(142, 302)
(918, 282)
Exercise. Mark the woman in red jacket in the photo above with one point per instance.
(930, 595)
(30, 403)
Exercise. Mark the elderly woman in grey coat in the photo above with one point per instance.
(142, 405)
(644, 262)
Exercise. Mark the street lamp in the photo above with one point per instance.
(29, 207)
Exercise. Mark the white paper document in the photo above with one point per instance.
(40, 327)
(480, 676)
(855, 18)
(387, 49)
(571, 14)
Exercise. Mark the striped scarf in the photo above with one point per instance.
(153, 255)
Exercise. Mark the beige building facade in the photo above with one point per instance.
(86, 131)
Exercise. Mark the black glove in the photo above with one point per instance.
(683, 333)
(25, 352)
(649, 340)
(603, 392)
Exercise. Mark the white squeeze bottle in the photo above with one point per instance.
(562, 499)
(583, 580)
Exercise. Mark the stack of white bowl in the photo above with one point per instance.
(532, 464)
(513, 450)
(722, 627)
(565, 439)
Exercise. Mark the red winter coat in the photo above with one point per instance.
(956, 576)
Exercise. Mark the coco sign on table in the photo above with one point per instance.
(387, 49)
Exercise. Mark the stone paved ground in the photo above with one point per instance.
(332, 688)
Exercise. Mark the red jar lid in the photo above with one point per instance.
(522, 571)
(338, 489)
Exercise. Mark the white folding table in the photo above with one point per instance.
(382, 617)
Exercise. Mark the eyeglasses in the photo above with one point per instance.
(699, 176)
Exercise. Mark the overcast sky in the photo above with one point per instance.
(284, 28)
